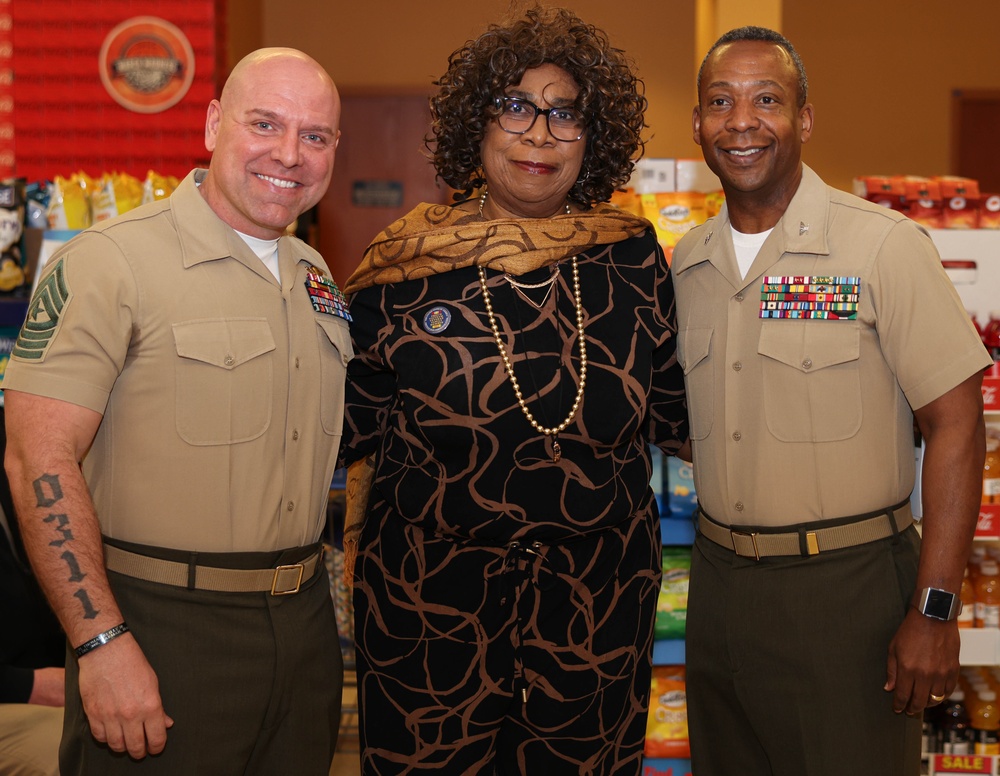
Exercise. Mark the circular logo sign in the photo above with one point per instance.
(146, 64)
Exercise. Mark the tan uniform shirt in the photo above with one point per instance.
(795, 420)
(222, 393)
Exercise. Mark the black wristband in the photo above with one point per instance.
(101, 639)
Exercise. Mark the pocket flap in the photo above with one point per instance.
(810, 346)
(223, 342)
(692, 347)
(339, 336)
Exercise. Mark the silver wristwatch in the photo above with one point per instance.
(939, 604)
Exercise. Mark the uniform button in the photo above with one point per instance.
(737, 366)
(739, 297)
(737, 436)
(739, 506)
(345, 358)
(291, 505)
(296, 362)
(807, 363)
(295, 435)
(230, 360)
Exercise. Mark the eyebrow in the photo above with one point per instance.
(264, 113)
(763, 82)
(558, 102)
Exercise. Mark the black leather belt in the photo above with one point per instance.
(807, 538)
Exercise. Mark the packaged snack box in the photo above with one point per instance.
(671, 603)
(666, 725)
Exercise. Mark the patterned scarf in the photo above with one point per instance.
(432, 239)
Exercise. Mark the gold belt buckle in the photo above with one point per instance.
(753, 540)
(298, 581)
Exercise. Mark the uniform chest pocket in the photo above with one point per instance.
(334, 351)
(693, 348)
(811, 380)
(223, 379)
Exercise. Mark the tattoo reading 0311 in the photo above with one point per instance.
(48, 493)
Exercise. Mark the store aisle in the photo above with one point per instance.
(346, 761)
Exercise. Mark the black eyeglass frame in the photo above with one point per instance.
(502, 102)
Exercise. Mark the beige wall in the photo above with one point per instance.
(881, 90)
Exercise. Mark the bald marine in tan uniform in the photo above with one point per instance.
(192, 358)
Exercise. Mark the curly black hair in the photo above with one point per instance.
(611, 99)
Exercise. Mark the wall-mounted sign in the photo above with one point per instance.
(377, 193)
(146, 64)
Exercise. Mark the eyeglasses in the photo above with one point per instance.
(518, 116)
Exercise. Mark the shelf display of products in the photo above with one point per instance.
(667, 749)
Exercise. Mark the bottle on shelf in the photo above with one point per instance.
(991, 471)
(988, 595)
(953, 734)
(967, 617)
(991, 335)
(985, 724)
(975, 322)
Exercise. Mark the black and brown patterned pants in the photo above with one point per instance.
(519, 659)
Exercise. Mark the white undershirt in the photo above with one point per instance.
(267, 252)
(747, 247)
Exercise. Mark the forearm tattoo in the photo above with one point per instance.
(48, 494)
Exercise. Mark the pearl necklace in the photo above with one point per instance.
(554, 431)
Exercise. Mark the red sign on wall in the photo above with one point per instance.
(118, 85)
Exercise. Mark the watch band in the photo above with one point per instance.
(101, 639)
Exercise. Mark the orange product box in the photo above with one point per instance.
(961, 201)
(989, 211)
(627, 200)
(886, 190)
(923, 201)
(714, 201)
(666, 725)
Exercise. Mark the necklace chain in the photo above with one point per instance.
(553, 274)
(509, 366)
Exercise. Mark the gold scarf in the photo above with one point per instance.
(432, 239)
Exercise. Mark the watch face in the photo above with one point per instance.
(938, 603)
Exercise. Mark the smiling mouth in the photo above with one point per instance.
(282, 184)
(535, 167)
(744, 152)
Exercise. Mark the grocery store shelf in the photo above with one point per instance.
(669, 652)
(12, 311)
(658, 766)
(676, 531)
(980, 647)
(961, 763)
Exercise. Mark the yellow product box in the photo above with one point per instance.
(674, 214)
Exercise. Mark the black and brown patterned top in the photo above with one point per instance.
(455, 455)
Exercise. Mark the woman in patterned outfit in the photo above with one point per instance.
(515, 360)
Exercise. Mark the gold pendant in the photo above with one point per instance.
(556, 451)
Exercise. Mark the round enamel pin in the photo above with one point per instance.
(437, 319)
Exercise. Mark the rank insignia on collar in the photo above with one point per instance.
(814, 297)
(324, 294)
